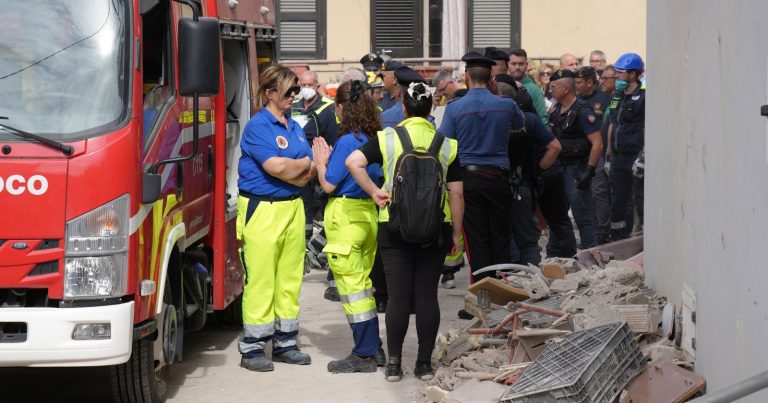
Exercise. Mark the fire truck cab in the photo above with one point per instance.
(120, 125)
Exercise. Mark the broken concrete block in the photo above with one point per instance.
(563, 286)
(537, 287)
(434, 394)
(574, 303)
(553, 270)
(478, 392)
(623, 272)
(662, 351)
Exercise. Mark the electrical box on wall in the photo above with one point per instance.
(688, 342)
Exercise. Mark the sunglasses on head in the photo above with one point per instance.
(292, 91)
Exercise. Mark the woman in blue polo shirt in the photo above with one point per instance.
(351, 224)
(276, 162)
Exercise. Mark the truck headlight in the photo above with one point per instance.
(96, 252)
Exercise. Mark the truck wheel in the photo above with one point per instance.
(142, 377)
(232, 315)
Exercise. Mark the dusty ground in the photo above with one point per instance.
(211, 373)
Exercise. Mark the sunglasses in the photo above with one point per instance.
(292, 92)
(545, 73)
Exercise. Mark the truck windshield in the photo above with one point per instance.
(63, 69)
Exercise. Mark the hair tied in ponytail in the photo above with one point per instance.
(357, 89)
(418, 91)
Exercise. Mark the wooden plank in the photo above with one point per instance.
(501, 293)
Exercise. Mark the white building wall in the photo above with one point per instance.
(707, 176)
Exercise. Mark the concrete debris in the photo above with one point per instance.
(563, 286)
(641, 318)
(569, 265)
(537, 287)
(662, 351)
(445, 379)
(474, 391)
(435, 394)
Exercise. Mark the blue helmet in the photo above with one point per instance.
(630, 61)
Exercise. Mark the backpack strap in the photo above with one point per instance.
(437, 143)
(405, 139)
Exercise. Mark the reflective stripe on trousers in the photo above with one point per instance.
(273, 258)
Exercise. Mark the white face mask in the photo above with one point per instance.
(308, 93)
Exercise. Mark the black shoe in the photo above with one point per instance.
(393, 372)
(463, 314)
(332, 294)
(292, 357)
(448, 281)
(352, 363)
(257, 364)
(424, 370)
(381, 358)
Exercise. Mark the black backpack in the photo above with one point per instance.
(416, 211)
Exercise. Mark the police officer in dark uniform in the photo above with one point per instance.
(588, 90)
(394, 115)
(577, 127)
(531, 149)
(390, 83)
(371, 62)
(482, 123)
(626, 139)
(500, 57)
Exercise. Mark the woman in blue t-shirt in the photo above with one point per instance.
(351, 225)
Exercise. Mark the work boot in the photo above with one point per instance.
(381, 358)
(292, 357)
(447, 281)
(257, 364)
(332, 294)
(424, 370)
(353, 363)
(394, 371)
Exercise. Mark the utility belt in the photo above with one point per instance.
(349, 197)
(487, 171)
(271, 199)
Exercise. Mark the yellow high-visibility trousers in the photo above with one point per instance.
(351, 226)
(273, 257)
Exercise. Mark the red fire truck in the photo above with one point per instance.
(120, 123)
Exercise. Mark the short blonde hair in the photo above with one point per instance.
(275, 77)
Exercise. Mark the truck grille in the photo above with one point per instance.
(23, 298)
(45, 268)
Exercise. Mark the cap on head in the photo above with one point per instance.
(392, 65)
(371, 62)
(406, 75)
(507, 79)
(374, 80)
(630, 61)
(474, 59)
(587, 73)
(564, 73)
(495, 53)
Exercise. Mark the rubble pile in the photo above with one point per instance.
(568, 330)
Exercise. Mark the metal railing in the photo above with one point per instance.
(736, 391)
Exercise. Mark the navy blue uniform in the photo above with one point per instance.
(627, 117)
(394, 115)
(482, 123)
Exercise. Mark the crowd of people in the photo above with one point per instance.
(409, 176)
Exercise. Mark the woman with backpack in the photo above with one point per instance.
(422, 194)
(351, 224)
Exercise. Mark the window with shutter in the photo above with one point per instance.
(397, 27)
(301, 27)
(493, 23)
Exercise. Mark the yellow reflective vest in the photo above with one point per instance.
(421, 132)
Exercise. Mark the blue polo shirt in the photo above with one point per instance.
(481, 122)
(265, 137)
(394, 115)
(337, 173)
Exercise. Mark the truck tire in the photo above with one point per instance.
(136, 381)
(142, 378)
(232, 315)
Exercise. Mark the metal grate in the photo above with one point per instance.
(48, 244)
(589, 366)
(298, 36)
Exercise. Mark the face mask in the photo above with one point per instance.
(308, 93)
(622, 85)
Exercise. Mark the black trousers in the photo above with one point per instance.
(487, 232)
(553, 202)
(378, 278)
(412, 274)
(601, 203)
(625, 194)
(525, 231)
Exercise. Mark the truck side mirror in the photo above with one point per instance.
(199, 51)
(151, 188)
